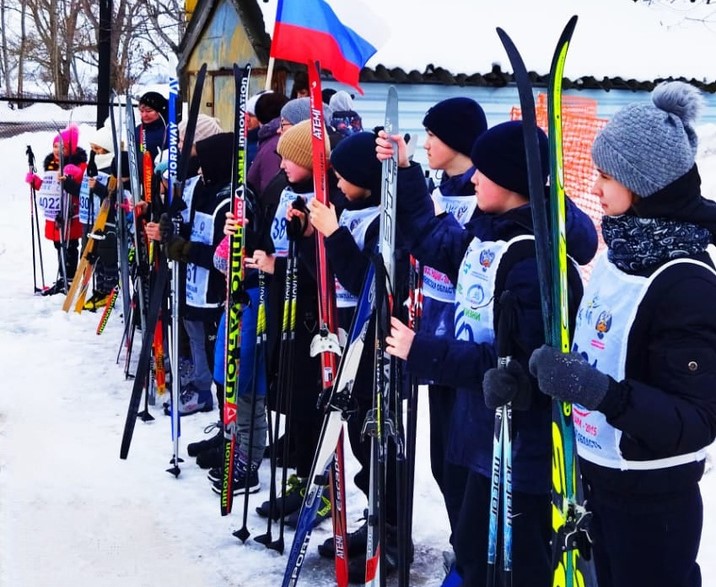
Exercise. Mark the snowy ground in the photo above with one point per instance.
(72, 514)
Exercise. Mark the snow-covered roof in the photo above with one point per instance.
(613, 38)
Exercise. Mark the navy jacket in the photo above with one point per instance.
(211, 196)
(666, 404)
(441, 242)
(437, 315)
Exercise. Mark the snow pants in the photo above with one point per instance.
(531, 531)
(451, 478)
(646, 540)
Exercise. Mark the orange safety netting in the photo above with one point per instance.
(580, 125)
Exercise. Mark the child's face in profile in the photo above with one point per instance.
(614, 197)
(439, 154)
(351, 191)
(294, 172)
(56, 150)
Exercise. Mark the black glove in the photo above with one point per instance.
(166, 228)
(177, 249)
(71, 186)
(568, 377)
(509, 384)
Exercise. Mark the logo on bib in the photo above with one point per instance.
(475, 296)
(486, 259)
(604, 323)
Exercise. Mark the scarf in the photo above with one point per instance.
(636, 244)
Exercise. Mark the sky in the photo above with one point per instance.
(72, 514)
(612, 38)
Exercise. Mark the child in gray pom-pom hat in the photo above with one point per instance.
(642, 374)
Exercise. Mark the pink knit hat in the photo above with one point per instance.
(70, 137)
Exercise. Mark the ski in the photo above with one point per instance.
(159, 290)
(83, 275)
(122, 235)
(111, 302)
(141, 253)
(178, 170)
(235, 292)
(326, 341)
(64, 215)
(338, 409)
(378, 424)
(569, 518)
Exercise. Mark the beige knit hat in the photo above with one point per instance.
(295, 144)
(206, 126)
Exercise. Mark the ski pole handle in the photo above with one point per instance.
(30, 159)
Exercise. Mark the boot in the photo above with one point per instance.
(290, 501)
(356, 543)
(194, 448)
(242, 474)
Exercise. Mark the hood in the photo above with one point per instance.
(216, 156)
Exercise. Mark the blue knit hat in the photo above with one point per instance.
(499, 153)
(457, 122)
(354, 159)
(645, 147)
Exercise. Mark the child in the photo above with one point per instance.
(252, 372)
(208, 197)
(344, 119)
(50, 188)
(492, 253)
(151, 132)
(106, 266)
(351, 239)
(270, 256)
(452, 127)
(641, 373)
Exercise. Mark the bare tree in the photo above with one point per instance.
(59, 50)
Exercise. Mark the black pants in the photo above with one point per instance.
(531, 528)
(72, 254)
(107, 265)
(646, 540)
(451, 479)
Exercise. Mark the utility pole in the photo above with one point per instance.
(104, 67)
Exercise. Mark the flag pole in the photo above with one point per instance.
(269, 73)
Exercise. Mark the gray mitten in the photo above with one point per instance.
(510, 384)
(568, 377)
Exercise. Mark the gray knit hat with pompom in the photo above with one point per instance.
(645, 147)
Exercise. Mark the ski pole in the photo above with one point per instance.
(292, 279)
(35, 226)
(502, 454)
(259, 363)
(282, 397)
(405, 529)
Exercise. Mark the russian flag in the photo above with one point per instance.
(340, 34)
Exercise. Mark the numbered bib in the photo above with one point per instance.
(279, 225)
(50, 194)
(437, 285)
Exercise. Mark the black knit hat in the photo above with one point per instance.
(155, 101)
(269, 105)
(354, 159)
(499, 153)
(457, 122)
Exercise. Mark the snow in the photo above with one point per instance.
(612, 38)
(72, 514)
